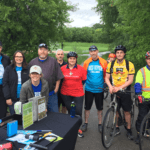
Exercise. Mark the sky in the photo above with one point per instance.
(84, 16)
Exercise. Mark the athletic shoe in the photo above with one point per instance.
(137, 140)
(84, 127)
(80, 134)
(129, 135)
(100, 128)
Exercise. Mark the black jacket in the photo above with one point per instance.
(10, 81)
(5, 60)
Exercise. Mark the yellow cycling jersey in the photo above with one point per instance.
(120, 72)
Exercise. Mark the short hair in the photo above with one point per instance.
(59, 50)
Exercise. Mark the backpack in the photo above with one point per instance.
(112, 65)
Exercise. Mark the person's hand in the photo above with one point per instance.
(9, 102)
(116, 89)
(111, 89)
(55, 91)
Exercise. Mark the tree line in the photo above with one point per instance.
(127, 23)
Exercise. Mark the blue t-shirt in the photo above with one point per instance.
(19, 69)
(37, 89)
(94, 77)
(1, 71)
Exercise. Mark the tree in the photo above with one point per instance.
(97, 26)
(26, 23)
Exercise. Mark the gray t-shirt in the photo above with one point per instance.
(50, 69)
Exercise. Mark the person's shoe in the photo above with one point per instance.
(84, 127)
(80, 134)
(129, 135)
(100, 128)
(117, 131)
(137, 140)
(146, 134)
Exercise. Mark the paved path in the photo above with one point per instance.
(92, 138)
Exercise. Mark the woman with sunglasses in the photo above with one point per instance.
(14, 76)
(72, 85)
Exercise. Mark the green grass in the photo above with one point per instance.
(105, 56)
(80, 59)
(83, 48)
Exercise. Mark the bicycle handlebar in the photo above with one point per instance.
(120, 91)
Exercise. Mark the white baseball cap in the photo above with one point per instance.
(36, 69)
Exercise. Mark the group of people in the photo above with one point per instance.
(62, 83)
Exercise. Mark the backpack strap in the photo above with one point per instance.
(127, 65)
(112, 65)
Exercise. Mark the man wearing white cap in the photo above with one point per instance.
(35, 86)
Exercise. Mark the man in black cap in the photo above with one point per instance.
(4, 62)
(51, 72)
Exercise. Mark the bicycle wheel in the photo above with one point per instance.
(132, 116)
(108, 127)
(144, 142)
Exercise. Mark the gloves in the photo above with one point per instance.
(140, 98)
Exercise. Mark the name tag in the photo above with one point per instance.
(37, 94)
(1, 71)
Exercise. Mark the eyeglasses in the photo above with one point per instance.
(19, 56)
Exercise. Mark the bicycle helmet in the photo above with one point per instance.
(147, 54)
(120, 47)
(111, 55)
(92, 48)
(72, 54)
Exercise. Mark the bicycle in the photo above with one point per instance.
(144, 135)
(106, 92)
(110, 120)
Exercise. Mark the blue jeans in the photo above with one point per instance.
(53, 103)
(11, 108)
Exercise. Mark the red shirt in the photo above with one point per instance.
(72, 82)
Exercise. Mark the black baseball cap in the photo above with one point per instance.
(43, 45)
(92, 48)
(1, 43)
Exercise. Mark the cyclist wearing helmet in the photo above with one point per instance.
(142, 89)
(72, 85)
(111, 57)
(122, 73)
(96, 70)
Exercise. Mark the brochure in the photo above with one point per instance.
(27, 115)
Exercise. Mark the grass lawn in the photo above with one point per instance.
(83, 48)
(105, 56)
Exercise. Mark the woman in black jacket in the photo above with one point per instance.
(14, 76)
(4, 62)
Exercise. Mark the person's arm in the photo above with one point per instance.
(6, 88)
(57, 86)
(129, 82)
(23, 95)
(138, 83)
(107, 78)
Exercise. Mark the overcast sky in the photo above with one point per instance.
(84, 16)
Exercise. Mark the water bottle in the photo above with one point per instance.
(73, 109)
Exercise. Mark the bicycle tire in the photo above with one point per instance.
(106, 94)
(141, 131)
(132, 116)
(112, 128)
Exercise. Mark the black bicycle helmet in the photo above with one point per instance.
(92, 48)
(72, 54)
(120, 47)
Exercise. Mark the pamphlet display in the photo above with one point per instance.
(27, 114)
(41, 108)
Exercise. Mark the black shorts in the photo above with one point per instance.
(78, 100)
(89, 96)
(60, 100)
(124, 101)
